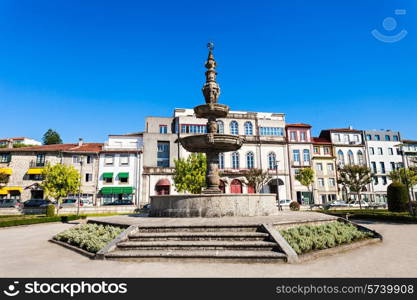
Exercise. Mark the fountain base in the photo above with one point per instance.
(213, 205)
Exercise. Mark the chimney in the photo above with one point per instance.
(80, 142)
(350, 127)
(9, 143)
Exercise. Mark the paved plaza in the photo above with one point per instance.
(26, 252)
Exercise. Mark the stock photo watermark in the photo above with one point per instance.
(390, 25)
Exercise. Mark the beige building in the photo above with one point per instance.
(24, 167)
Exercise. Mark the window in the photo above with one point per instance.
(380, 152)
(163, 129)
(88, 177)
(274, 131)
(234, 128)
(321, 182)
(392, 166)
(330, 167)
(356, 138)
(89, 159)
(368, 137)
(303, 136)
(332, 182)
(124, 159)
(337, 137)
(76, 159)
(248, 128)
(351, 159)
(235, 160)
(387, 138)
(272, 161)
(390, 151)
(384, 180)
(35, 177)
(296, 155)
(382, 164)
(319, 167)
(40, 160)
(108, 159)
(360, 157)
(293, 135)
(306, 155)
(376, 180)
(341, 157)
(326, 150)
(221, 160)
(191, 128)
(220, 126)
(373, 167)
(5, 157)
(395, 138)
(124, 179)
(316, 150)
(163, 154)
(249, 160)
(371, 150)
(108, 179)
(377, 137)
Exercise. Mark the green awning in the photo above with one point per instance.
(123, 175)
(107, 175)
(106, 190)
(116, 190)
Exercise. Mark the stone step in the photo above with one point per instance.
(202, 236)
(197, 245)
(207, 255)
(199, 228)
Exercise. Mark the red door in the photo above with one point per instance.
(236, 187)
(251, 189)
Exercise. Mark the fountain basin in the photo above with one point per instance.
(211, 110)
(212, 142)
(211, 206)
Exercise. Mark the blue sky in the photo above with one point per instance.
(91, 68)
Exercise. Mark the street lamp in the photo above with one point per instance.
(79, 188)
(276, 171)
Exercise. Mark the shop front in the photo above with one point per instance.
(117, 195)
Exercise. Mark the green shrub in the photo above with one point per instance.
(33, 220)
(50, 210)
(398, 197)
(294, 205)
(91, 237)
(413, 205)
(307, 238)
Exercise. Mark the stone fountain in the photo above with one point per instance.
(212, 202)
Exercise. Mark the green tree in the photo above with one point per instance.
(306, 178)
(257, 178)
(4, 179)
(404, 176)
(60, 180)
(355, 178)
(190, 173)
(51, 137)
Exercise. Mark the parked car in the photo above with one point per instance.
(71, 202)
(121, 202)
(285, 201)
(39, 203)
(336, 203)
(10, 203)
(147, 206)
(356, 204)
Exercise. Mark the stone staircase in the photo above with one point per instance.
(234, 243)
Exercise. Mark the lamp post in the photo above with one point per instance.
(276, 171)
(79, 188)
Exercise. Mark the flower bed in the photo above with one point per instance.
(90, 237)
(308, 238)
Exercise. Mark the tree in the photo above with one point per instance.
(306, 178)
(257, 178)
(51, 137)
(404, 176)
(355, 178)
(60, 180)
(4, 179)
(190, 173)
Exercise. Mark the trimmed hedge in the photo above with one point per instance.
(397, 197)
(294, 205)
(36, 220)
(50, 210)
(308, 238)
(381, 215)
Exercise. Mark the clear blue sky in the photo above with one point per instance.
(90, 68)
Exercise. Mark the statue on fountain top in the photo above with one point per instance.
(211, 89)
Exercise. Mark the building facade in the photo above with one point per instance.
(409, 151)
(383, 156)
(120, 169)
(16, 141)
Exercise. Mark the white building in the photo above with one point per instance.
(19, 141)
(383, 156)
(409, 150)
(120, 169)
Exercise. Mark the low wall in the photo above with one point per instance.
(219, 205)
(71, 210)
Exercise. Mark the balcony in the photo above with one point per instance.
(297, 163)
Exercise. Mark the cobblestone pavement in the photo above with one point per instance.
(26, 252)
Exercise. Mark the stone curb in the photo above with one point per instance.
(101, 254)
(292, 256)
(74, 248)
